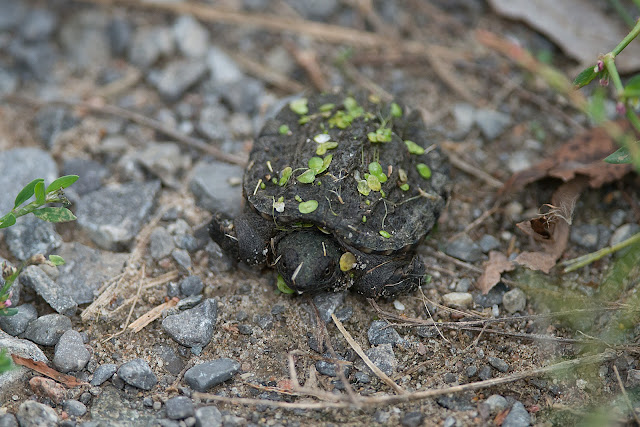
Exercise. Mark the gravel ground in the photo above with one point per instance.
(84, 79)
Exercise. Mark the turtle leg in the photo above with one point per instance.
(245, 238)
(385, 276)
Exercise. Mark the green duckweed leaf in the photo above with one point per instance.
(396, 111)
(285, 175)
(307, 177)
(315, 163)
(282, 286)
(54, 214)
(363, 187)
(62, 182)
(414, 148)
(308, 206)
(404, 187)
(326, 161)
(327, 107)
(385, 234)
(284, 130)
(322, 148)
(375, 168)
(299, 106)
(56, 260)
(374, 183)
(424, 170)
(26, 193)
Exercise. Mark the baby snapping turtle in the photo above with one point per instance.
(339, 192)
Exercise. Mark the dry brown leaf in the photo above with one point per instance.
(551, 230)
(579, 27)
(42, 368)
(582, 155)
(497, 264)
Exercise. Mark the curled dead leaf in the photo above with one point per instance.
(493, 269)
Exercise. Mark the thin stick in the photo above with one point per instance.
(136, 118)
(472, 170)
(384, 377)
(376, 401)
(625, 395)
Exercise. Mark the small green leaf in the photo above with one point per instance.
(341, 120)
(304, 119)
(385, 234)
(396, 111)
(352, 107)
(285, 175)
(307, 177)
(8, 312)
(326, 161)
(56, 259)
(424, 170)
(632, 88)
(414, 148)
(374, 183)
(372, 137)
(404, 187)
(299, 106)
(384, 134)
(26, 192)
(585, 77)
(54, 214)
(621, 155)
(39, 192)
(315, 163)
(62, 182)
(363, 187)
(282, 286)
(327, 107)
(284, 130)
(308, 206)
(375, 168)
(323, 147)
(8, 220)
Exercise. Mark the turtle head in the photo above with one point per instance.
(308, 260)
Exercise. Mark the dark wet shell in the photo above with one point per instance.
(406, 216)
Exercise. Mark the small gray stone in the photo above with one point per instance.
(496, 403)
(178, 76)
(589, 236)
(498, 364)
(51, 122)
(171, 361)
(137, 373)
(191, 285)
(212, 122)
(8, 420)
(160, 243)
(491, 123)
(517, 417)
(327, 303)
(464, 285)
(464, 116)
(488, 243)
(129, 205)
(119, 32)
(264, 321)
(623, 233)
(8, 81)
(149, 44)
(16, 324)
(380, 332)
(31, 236)
(194, 327)
(84, 37)
(71, 353)
(34, 60)
(35, 414)
(485, 372)
(165, 160)
(457, 299)
(514, 300)
(179, 407)
(47, 329)
(244, 95)
(91, 174)
(492, 298)
(191, 37)
(103, 373)
(39, 24)
(86, 270)
(208, 416)
(224, 70)
(210, 185)
(464, 248)
(183, 258)
(13, 13)
(33, 277)
(383, 357)
(19, 167)
(412, 419)
(450, 421)
(206, 375)
(74, 408)
(329, 368)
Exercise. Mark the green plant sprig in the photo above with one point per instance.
(581, 261)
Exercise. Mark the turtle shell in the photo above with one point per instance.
(350, 172)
